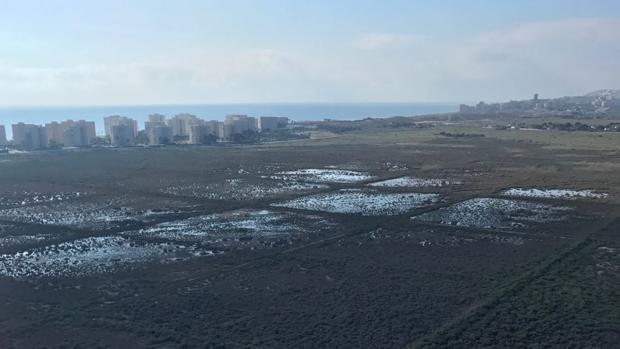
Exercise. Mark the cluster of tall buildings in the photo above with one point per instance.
(54, 134)
(122, 131)
(188, 128)
(69, 133)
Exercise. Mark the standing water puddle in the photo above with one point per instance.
(366, 203)
(238, 229)
(315, 175)
(495, 213)
(567, 194)
(413, 182)
(86, 256)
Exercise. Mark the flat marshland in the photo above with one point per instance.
(386, 234)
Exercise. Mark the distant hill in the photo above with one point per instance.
(597, 103)
(608, 94)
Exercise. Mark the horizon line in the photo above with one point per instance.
(212, 103)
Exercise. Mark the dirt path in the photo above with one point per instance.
(481, 309)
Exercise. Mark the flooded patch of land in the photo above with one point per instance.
(16, 240)
(86, 257)
(239, 229)
(242, 189)
(413, 182)
(96, 214)
(455, 238)
(495, 213)
(362, 202)
(566, 194)
(317, 175)
(13, 199)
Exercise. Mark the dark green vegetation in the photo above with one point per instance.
(358, 281)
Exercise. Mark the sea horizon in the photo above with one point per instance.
(217, 111)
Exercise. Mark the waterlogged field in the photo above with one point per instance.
(16, 235)
(239, 229)
(276, 184)
(88, 214)
(88, 256)
(363, 202)
(163, 243)
(455, 238)
(315, 175)
(241, 189)
(413, 182)
(391, 238)
(496, 213)
(565, 194)
(17, 240)
(16, 199)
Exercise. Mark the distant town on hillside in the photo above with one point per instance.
(597, 103)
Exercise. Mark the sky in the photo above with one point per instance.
(134, 52)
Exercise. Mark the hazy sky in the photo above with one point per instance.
(152, 52)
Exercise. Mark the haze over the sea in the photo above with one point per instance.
(144, 52)
(295, 111)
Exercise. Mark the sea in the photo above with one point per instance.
(294, 111)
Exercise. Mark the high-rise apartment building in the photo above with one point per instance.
(3, 140)
(157, 118)
(182, 123)
(116, 120)
(270, 123)
(157, 131)
(158, 134)
(70, 133)
(240, 123)
(54, 134)
(202, 134)
(29, 137)
(122, 135)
